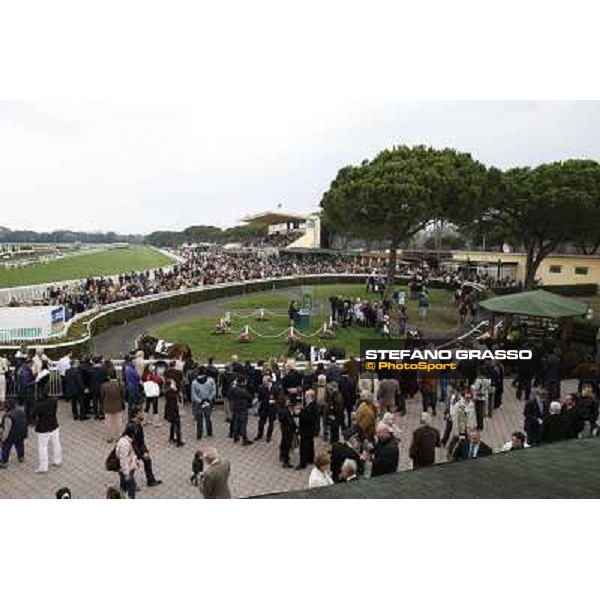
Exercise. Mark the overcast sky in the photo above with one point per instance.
(204, 120)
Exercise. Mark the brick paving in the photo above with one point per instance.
(255, 469)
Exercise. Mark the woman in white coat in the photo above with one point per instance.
(320, 475)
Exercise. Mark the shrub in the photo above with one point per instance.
(585, 331)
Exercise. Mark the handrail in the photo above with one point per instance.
(101, 311)
(117, 306)
(37, 290)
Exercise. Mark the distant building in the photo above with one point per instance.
(286, 230)
(556, 269)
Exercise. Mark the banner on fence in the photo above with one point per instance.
(30, 323)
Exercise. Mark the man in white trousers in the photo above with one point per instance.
(46, 427)
(3, 371)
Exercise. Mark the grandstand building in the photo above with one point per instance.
(288, 231)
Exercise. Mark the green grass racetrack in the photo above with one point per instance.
(104, 262)
(198, 332)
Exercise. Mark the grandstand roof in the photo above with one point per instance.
(272, 218)
(562, 470)
(538, 303)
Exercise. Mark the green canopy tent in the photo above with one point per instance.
(540, 304)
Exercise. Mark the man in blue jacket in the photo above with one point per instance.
(132, 384)
(25, 384)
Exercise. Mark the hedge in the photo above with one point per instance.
(577, 289)
(585, 331)
(121, 316)
(108, 319)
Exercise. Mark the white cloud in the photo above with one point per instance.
(203, 113)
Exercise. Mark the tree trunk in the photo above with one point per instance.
(391, 271)
(531, 266)
(535, 256)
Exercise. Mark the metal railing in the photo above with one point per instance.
(55, 387)
(38, 291)
(98, 312)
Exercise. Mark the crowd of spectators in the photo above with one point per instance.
(195, 269)
(278, 239)
(198, 267)
(358, 416)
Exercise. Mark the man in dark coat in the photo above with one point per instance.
(267, 407)
(87, 375)
(251, 374)
(552, 373)
(588, 408)
(333, 305)
(472, 448)
(534, 412)
(573, 417)
(307, 426)
(140, 448)
(386, 454)
(348, 391)
(554, 426)
(98, 377)
(525, 370)
(13, 432)
(75, 391)
(424, 442)
(288, 430)
(292, 384)
(342, 450)
(334, 410)
(240, 400)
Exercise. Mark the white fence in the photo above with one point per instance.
(92, 315)
(32, 293)
(55, 388)
(99, 312)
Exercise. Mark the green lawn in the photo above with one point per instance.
(104, 262)
(198, 332)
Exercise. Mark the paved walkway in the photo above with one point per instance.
(255, 469)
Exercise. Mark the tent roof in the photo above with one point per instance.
(566, 469)
(538, 303)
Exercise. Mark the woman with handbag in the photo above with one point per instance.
(128, 461)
